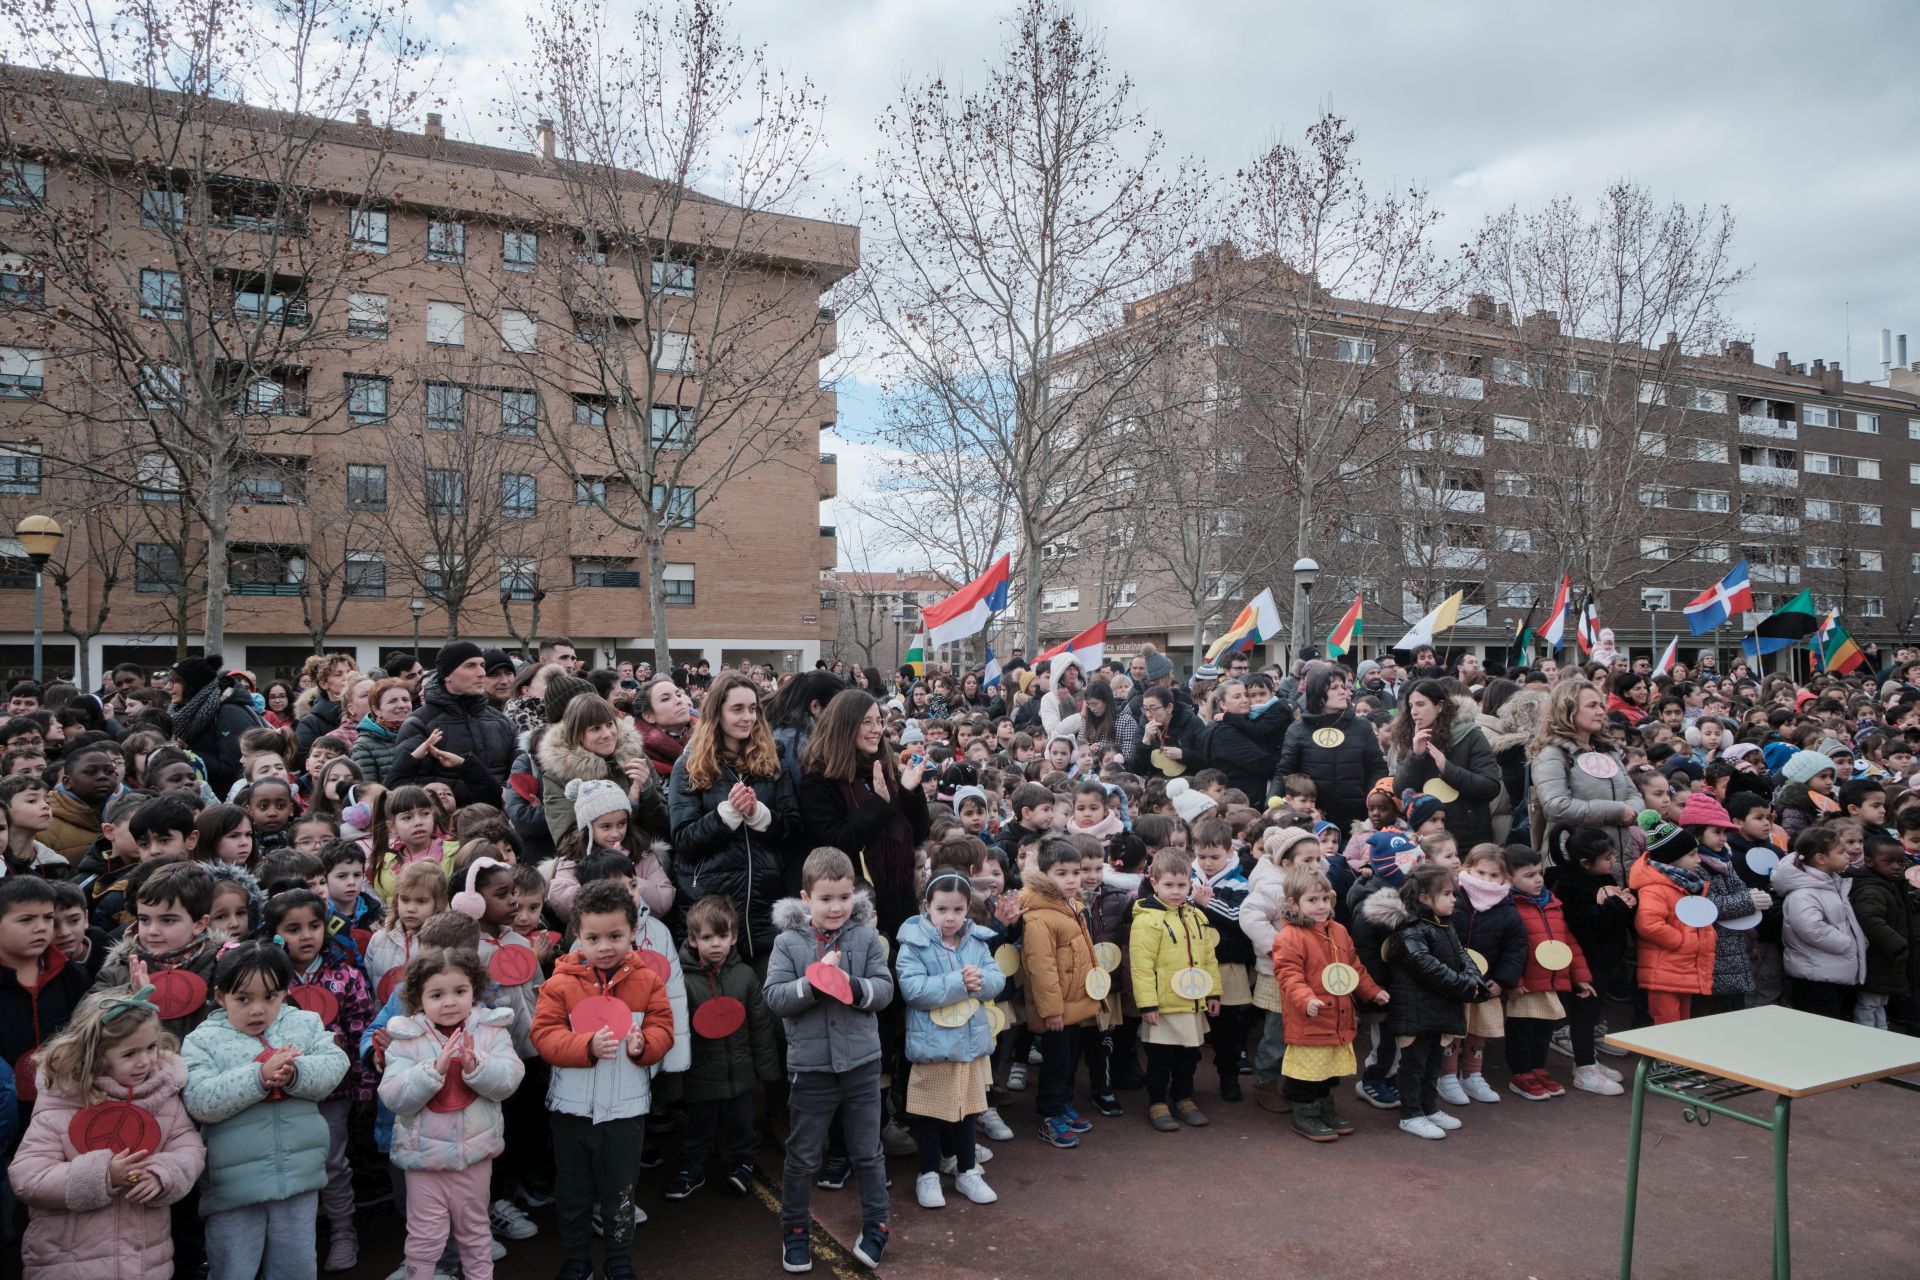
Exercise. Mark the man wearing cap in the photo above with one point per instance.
(500, 674)
(457, 736)
(210, 712)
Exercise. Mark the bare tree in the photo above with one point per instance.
(1012, 226)
(936, 497)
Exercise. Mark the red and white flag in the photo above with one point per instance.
(1588, 632)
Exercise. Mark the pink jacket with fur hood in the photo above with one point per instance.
(79, 1229)
(427, 1139)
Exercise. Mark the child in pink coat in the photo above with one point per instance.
(102, 1215)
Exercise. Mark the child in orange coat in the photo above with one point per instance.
(1318, 972)
(1676, 958)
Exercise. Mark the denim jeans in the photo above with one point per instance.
(279, 1233)
(813, 1099)
(1272, 1049)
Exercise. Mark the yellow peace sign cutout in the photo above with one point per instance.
(1107, 955)
(1098, 984)
(1479, 961)
(1192, 984)
(1340, 979)
(1440, 789)
(1168, 766)
(1006, 957)
(996, 1020)
(957, 1014)
(1328, 738)
(1553, 955)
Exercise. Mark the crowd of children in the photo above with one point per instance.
(216, 1007)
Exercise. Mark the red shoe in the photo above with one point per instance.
(1553, 1087)
(1529, 1086)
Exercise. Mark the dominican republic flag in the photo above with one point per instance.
(1666, 659)
(1588, 632)
(1555, 632)
(1714, 607)
(1089, 649)
(990, 674)
(965, 612)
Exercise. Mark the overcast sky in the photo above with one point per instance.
(1802, 118)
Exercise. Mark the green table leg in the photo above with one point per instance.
(1782, 1229)
(1633, 1172)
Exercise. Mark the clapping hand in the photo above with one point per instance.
(909, 777)
(277, 1071)
(743, 800)
(636, 1043)
(137, 975)
(430, 746)
(1006, 908)
(603, 1045)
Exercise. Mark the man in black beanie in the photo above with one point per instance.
(457, 736)
(209, 715)
(500, 673)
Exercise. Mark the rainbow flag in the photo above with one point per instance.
(917, 654)
(1346, 633)
(1834, 648)
(1258, 622)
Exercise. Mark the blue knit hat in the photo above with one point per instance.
(1802, 766)
(1421, 809)
(1391, 853)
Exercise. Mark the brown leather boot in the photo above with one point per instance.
(1267, 1094)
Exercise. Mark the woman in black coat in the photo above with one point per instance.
(855, 798)
(1172, 728)
(1434, 737)
(1331, 745)
(210, 712)
(733, 814)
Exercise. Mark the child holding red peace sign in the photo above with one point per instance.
(111, 1147)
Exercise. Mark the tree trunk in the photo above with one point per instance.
(657, 603)
(219, 525)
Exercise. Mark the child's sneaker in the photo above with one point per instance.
(618, 1266)
(896, 1141)
(1377, 1093)
(650, 1157)
(1017, 1076)
(796, 1251)
(1034, 1057)
(534, 1197)
(683, 1185)
(1528, 1086)
(834, 1173)
(1190, 1113)
(1422, 1127)
(1609, 1072)
(1444, 1120)
(582, 1271)
(1476, 1087)
(1592, 1078)
(992, 1126)
(507, 1220)
(740, 1178)
(872, 1244)
(1450, 1091)
(1161, 1118)
(1230, 1089)
(1561, 1042)
(950, 1165)
(974, 1187)
(1553, 1087)
(1108, 1105)
(1077, 1122)
(926, 1189)
(343, 1251)
(1055, 1133)
(1310, 1124)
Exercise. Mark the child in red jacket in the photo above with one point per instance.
(1555, 964)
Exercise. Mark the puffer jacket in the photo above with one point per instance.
(1602, 928)
(1885, 910)
(1496, 933)
(728, 1067)
(79, 1229)
(1822, 940)
(75, 827)
(822, 1033)
(1186, 730)
(321, 719)
(469, 728)
(427, 1139)
(1301, 954)
(561, 764)
(1732, 967)
(1341, 775)
(606, 1088)
(1548, 924)
(716, 851)
(930, 979)
(521, 1001)
(1260, 917)
(526, 801)
(29, 1016)
(1244, 746)
(1429, 975)
(1672, 956)
(1162, 941)
(1055, 957)
(1375, 913)
(259, 1149)
(373, 749)
(1569, 796)
(1108, 908)
(1472, 770)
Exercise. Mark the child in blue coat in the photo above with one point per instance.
(948, 978)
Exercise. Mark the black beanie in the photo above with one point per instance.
(197, 673)
(453, 655)
(496, 659)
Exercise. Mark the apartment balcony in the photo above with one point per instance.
(829, 547)
(828, 474)
(1458, 386)
(266, 588)
(1782, 477)
(1451, 557)
(1451, 500)
(1776, 428)
(829, 331)
(1770, 524)
(1780, 575)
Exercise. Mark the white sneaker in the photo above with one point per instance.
(1478, 1089)
(974, 1187)
(1444, 1120)
(1561, 1042)
(1609, 1072)
(1422, 1127)
(926, 1189)
(1033, 1056)
(1593, 1080)
(950, 1165)
(1600, 1041)
(1450, 1091)
(508, 1221)
(1017, 1076)
(895, 1139)
(498, 1250)
(992, 1126)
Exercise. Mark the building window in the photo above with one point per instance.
(1353, 350)
(518, 331)
(589, 411)
(519, 250)
(157, 478)
(446, 241)
(366, 575)
(155, 567)
(1126, 595)
(1512, 430)
(670, 427)
(519, 412)
(22, 183)
(438, 570)
(1871, 562)
(267, 570)
(446, 406)
(1816, 415)
(1511, 484)
(366, 486)
(369, 230)
(1867, 422)
(162, 208)
(673, 352)
(446, 324)
(282, 394)
(19, 471)
(673, 276)
(519, 577)
(678, 581)
(605, 573)
(1581, 382)
(1913, 428)
(1060, 600)
(446, 492)
(589, 493)
(367, 315)
(367, 398)
(674, 505)
(1517, 541)
(589, 248)
(1059, 549)
(1867, 513)
(22, 372)
(519, 495)
(161, 297)
(1515, 595)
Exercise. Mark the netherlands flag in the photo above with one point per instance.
(965, 612)
(1555, 632)
(1714, 607)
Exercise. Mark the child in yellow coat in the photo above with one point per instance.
(1176, 983)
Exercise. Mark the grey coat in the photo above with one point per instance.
(1821, 937)
(1569, 796)
(822, 1033)
(1732, 968)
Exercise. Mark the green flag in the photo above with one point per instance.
(1784, 627)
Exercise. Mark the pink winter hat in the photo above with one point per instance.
(1702, 810)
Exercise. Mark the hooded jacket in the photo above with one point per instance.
(1429, 975)
(1472, 770)
(260, 1149)
(471, 729)
(427, 1139)
(716, 850)
(728, 1067)
(1822, 939)
(1672, 956)
(1301, 954)
(822, 1033)
(79, 1229)
(930, 979)
(1341, 774)
(75, 826)
(29, 1016)
(1603, 929)
(1056, 954)
(197, 957)
(1162, 941)
(561, 764)
(1884, 909)
(373, 749)
(1260, 915)
(601, 1089)
(1375, 913)
(1549, 924)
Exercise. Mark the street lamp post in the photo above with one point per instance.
(1305, 573)
(1652, 606)
(416, 608)
(38, 536)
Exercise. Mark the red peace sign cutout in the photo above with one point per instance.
(598, 1013)
(512, 966)
(118, 1127)
(273, 1095)
(361, 937)
(454, 1095)
(656, 962)
(26, 1068)
(178, 993)
(719, 1018)
(317, 1000)
(830, 980)
(388, 981)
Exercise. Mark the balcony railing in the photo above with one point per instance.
(1753, 473)
(266, 588)
(830, 459)
(1760, 425)
(1769, 524)
(1459, 386)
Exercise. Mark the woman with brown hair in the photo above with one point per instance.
(591, 744)
(855, 798)
(1435, 746)
(732, 810)
(1579, 776)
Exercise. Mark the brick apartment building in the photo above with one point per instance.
(428, 312)
(1483, 480)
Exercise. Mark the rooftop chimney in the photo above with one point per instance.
(1783, 363)
(1739, 351)
(1819, 368)
(1900, 350)
(1503, 316)
(434, 129)
(361, 118)
(1833, 380)
(544, 131)
(1545, 322)
(1480, 306)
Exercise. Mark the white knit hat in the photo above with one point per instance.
(1191, 805)
(596, 798)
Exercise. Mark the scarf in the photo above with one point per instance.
(1689, 882)
(1718, 866)
(1541, 900)
(195, 716)
(1484, 895)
